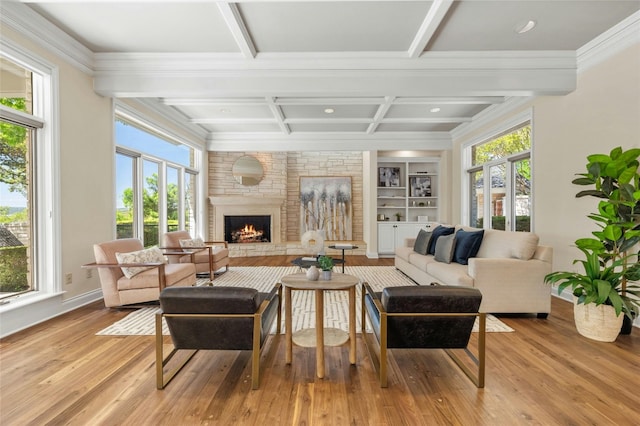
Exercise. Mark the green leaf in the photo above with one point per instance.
(583, 181)
(598, 158)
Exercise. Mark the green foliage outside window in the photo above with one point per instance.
(13, 269)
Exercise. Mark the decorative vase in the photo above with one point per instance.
(597, 322)
(313, 273)
(326, 275)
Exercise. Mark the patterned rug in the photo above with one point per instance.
(142, 321)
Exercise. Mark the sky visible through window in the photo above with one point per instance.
(138, 140)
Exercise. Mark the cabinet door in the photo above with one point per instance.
(386, 238)
(406, 230)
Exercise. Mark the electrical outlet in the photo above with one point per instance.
(89, 273)
(68, 278)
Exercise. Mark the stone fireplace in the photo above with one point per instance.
(250, 206)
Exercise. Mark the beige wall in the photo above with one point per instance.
(86, 169)
(602, 113)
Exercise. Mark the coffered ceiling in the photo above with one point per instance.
(257, 73)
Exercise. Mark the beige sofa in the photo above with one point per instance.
(509, 270)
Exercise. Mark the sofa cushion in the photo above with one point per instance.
(445, 248)
(422, 242)
(467, 245)
(404, 252)
(437, 233)
(421, 261)
(450, 273)
(508, 244)
(150, 255)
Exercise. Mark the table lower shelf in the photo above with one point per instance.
(332, 337)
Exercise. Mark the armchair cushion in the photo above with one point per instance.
(150, 255)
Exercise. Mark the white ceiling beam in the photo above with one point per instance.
(458, 100)
(238, 29)
(431, 22)
(402, 83)
(425, 120)
(380, 113)
(326, 101)
(277, 113)
(243, 120)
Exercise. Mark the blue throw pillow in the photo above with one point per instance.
(437, 233)
(467, 245)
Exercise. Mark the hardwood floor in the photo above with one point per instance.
(544, 373)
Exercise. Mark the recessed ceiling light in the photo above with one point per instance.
(525, 26)
(329, 110)
(436, 109)
(224, 110)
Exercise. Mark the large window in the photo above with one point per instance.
(156, 183)
(26, 176)
(499, 179)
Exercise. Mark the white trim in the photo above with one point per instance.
(37, 308)
(46, 184)
(609, 43)
(465, 159)
(126, 108)
(34, 27)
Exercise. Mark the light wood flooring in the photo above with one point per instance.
(61, 373)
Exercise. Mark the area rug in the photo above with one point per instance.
(142, 321)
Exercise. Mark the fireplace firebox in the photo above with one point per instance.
(247, 229)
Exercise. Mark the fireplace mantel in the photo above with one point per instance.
(246, 206)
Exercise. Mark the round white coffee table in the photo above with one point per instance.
(339, 282)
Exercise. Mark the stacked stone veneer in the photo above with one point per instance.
(282, 172)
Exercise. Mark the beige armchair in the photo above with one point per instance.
(207, 259)
(118, 290)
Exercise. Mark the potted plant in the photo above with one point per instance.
(326, 264)
(398, 216)
(611, 267)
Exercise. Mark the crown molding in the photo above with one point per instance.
(489, 115)
(34, 27)
(127, 108)
(338, 141)
(609, 43)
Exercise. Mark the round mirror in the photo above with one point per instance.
(247, 171)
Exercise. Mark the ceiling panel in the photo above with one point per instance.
(333, 26)
(328, 127)
(137, 27)
(339, 111)
(561, 25)
(381, 65)
(416, 127)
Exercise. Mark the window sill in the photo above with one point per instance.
(27, 299)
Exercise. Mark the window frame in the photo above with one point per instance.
(518, 121)
(124, 113)
(44, 192)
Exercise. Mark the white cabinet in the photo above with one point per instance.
(392, 235)
(408, 189)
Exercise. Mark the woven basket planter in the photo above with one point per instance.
(597, 322)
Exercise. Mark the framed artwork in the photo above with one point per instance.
(389, 176)
(420, 186)
(326, 205)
